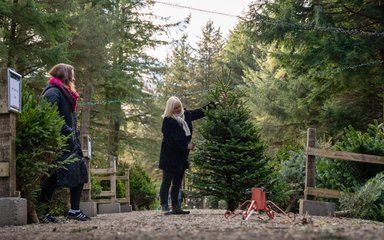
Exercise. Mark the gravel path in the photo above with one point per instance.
(200, 224)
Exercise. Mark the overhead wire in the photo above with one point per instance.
(279, 22)
(196, 9)
(268, 21)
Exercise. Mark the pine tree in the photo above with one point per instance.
(229, 158)
(33, 34)
(179, 78)
(208, 57)
(90, 58)
(240, 53)
(124, 68)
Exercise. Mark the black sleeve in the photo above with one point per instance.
(199, 113)
(77, 143)
(171, 136)
(66, 130)
(53, 96)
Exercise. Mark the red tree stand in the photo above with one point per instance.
(258, 203)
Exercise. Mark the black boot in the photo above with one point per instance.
(165, 208)
(176, 209)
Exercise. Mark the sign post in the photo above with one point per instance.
(10, 105)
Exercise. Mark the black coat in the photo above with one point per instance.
(73, 173)
(174, 152)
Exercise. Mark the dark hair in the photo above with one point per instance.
(63, 72)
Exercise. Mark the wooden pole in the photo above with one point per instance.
(127, 192)
(112, 165)
(310, 164)
(86, 194)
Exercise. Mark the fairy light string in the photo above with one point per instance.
(318, 73)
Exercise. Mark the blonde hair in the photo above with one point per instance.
(64, 72)
(172, 102)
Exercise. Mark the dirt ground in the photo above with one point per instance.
(200, 224)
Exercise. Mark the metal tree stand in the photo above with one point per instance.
(258, 203)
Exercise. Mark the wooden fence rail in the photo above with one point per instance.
(310, 190)
(109, 174)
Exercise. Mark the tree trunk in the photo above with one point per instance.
(12, 40)
(114, 128)
(31, 212)
(86, 109)
(292, 204)
(381, 6)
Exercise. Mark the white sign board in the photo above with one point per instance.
(14, 91)
(89, 148)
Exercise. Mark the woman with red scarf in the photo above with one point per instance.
(61, 92)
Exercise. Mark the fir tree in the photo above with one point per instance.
(312, 77)
(229, 158)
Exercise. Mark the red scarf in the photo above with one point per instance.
(72, 96)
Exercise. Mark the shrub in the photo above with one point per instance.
(142, 189)
(367, 203)
(292, 174)
(38, 143)
(96, 187)
(347, 175)
(120, 189)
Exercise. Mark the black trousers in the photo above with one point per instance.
(48, 187)
(174, 178)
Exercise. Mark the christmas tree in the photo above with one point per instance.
(229, 158)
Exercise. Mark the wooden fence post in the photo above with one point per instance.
(127, 191)
(310, 163)
(85, 146)
(86, 204)
(112, 165)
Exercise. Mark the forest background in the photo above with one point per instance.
(299, 64)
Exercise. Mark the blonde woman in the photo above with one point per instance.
(61, 91)
(176, 144)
